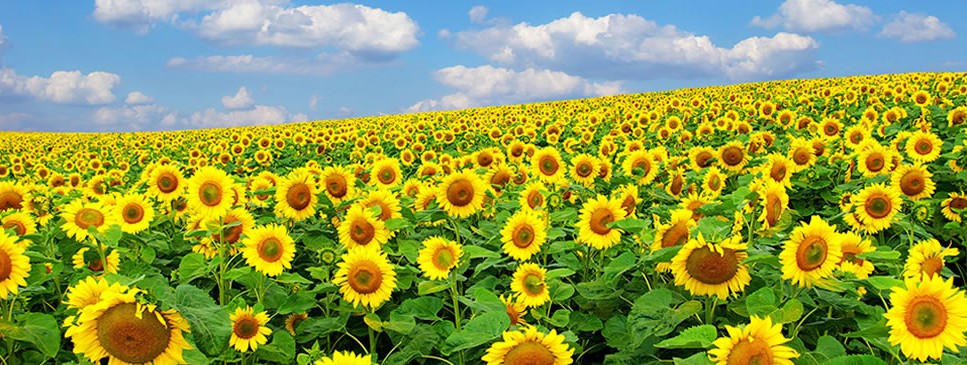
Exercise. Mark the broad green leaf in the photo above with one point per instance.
(38, 329)
(280, 350)
(761, 302)
(698, 337)
(210, 324)
(425, 308)
(790, 312)
(478, 331)
(431, 286)
(884, 282)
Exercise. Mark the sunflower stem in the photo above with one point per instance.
(372, 343)
(100, 253)
(710, 304)
(456, 301)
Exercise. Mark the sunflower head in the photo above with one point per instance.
(461, 194)
(927, 315)
(438, 257)
(529, 346)
(14, 265)
(530, 286)
(594, 227)
(365, 276)
(523, 235)
(759, 342)
(248, 329)
(811, 253)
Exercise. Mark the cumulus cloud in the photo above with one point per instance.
(313, 102)
(818, 16)
(138, 98)
(323, 64)
(241, 100)
(62, 87)
(141, 15)
(915, 27)
(135, 117)
(258, 115)
(3, 40)
(489, 85)
(478, 14)
(630, 47)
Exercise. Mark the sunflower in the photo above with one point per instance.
(295, 197)
(22, 224)
(676, 182)
(125, 331)
(532, 196)
(389, 205)
(361, 227)
(706, 268)
(345, 358)
(876, 206)
(774, 201)
(248, 329)
(523, 235)
(874, 159)
(830, 128)
(293, 320)
(339, 183)
(921, 98)
(387, 172)
(365, 276)
(529, 346)
(584, 168)
(209, 192)
(12, 195)
(693, 202)
(529, 285)
(856, 135)
(673, 233)
(733, 157)
(166, 183)
(136, 212)
(927, 315)
(923, 146)
(85, 257)
(547, 163)
(438, 257)
(811, 253)
(954, 201)
(926, 258)
(269, 249)
(713, 182)
(256, 195)
(914, 181)
(596, 215)
(241, 222)
(515, 310)
(759, 342)
(461, 194)
(801, 153)
(14, 266)
(627, 194)
(641, 165)
(79, 216)
(853, 244)
(88, 291)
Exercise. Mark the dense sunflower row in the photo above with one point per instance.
(692, 225)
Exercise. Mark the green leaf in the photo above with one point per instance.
(619, 265)
(559, 273)
(698, 337)
(880, 256)
(300, 302)
(790, 312)
(700, 358)
(631, 225)
(38, 329)
(110, 237)
(478, 331)
(560, 318)
(430, 287)
(855, 360)
(474, 252)
(372, 320)
(425, 308)
(192, 266)
(280, 350)
(884, 282)
(402, 324)
(394, 224)
(148, 254)
(830, 346)
(664, 255)
(487, 301)
(582, 322)
(761, 302)
(210, 324)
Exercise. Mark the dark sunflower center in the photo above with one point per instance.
(443, 258)
(628, 204)
(677, 184)
(485, 159)
(87, 217)
(773, 209)
(460, 193)
(131, 339)
(535, 199)
(921, 99)
(831, 130)
(6, 265)
(856, 138)
(337, 186)
(299, 196)
(384, 210)
(732, 155)
(849, 255)
(500, 179)
(878, 206)
(600, 219)
(512, 313)
(715, 183)
(210, 193)
(133, 213)
(548, 165)
(361, 231)
(932, 265)
(17, 226)
(703, 159)
(778, 171)
(10, 200)
(875, 162)
(958, 203)
(676, 235)
(811, 253)
(270, 249)
(386, 175)
(912, 183)
(926, 317)
(167, 182)
(584, 169)
(643, 165)
(923, 147)
(365, 277)
(529, 353)
(711, 268)
(246, 327)
(533, 284)
(801, 156)
(523, 236)
(230, 234)
(750, 353)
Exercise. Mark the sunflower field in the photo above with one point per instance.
(802, 221)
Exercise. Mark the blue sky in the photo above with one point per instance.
(131, 65)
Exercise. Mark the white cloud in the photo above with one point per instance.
(258, 115)
(488, 85)
(138, 98)
(324, 64)
(914, 27)
(818, 16)
(313, 102)
(13, 121)
(141, 15)
(241, 100)
(478, 14)
(62, 87)
(627, 47)
(135, 117)
(3, 40)
(361, 30)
